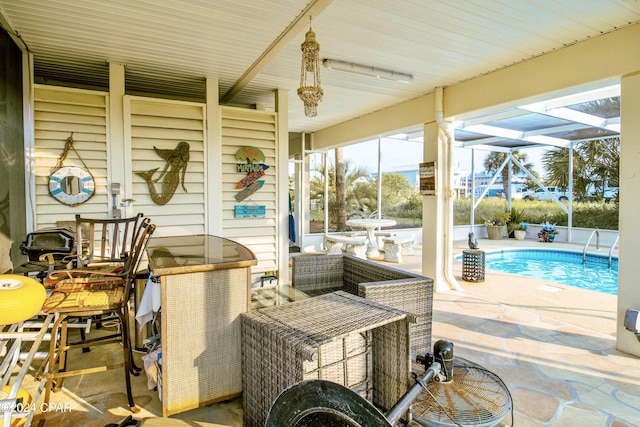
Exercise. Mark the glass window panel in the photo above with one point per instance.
(401, 199)
(316, 211)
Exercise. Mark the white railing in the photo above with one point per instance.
(596, 232)
(584, 251)
(615, 243)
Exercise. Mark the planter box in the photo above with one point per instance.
(495, 231)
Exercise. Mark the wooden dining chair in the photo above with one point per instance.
(100, 288)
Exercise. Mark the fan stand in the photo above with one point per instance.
(474, 397)
(451, 392)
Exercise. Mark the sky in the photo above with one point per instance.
(397, 154)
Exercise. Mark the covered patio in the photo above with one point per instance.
(555, 351)
(132, 82)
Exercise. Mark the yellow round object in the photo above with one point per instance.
(21, 298)
(26, 403)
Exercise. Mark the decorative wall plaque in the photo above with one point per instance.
(71, 185)
(250, 211)
(172, 174)
(253, 170)
(428, 182)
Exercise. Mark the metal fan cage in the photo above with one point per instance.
(475, 397)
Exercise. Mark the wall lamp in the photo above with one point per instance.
(366, 70)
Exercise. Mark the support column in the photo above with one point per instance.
(213, 154)
(282, 190)
(433, 218)
(628, 289)
(119, 161)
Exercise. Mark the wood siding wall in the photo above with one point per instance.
(163, 124)
(257, 129)
(60, 113)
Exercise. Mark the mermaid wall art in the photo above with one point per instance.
(172, 174)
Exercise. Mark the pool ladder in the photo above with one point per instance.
(596, 232)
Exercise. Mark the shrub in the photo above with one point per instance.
(586, 215)
(501, 218)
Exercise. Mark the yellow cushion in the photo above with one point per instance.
(101, 293)
(88, 271)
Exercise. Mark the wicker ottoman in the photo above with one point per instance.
(339, 337)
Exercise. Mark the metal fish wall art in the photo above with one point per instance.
(175, 168)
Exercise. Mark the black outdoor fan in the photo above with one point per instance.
(472, 396)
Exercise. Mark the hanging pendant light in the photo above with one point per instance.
(310, 92)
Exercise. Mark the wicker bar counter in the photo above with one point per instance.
(205, 285)
(339, 337)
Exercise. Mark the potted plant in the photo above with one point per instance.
(521, 231)
(548, 232)
(495, 225)
(516, 216)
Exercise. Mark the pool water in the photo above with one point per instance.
(559, 266)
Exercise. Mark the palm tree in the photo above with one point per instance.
(595, 163)
(396, 192)
(495, 159)
(556, 163)
(604, 158)
(349, 201)
(341, 201)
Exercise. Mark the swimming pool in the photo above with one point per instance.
(559, 266)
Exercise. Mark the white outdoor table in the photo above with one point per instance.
(370, 224)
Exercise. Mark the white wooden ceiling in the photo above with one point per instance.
(169, 46)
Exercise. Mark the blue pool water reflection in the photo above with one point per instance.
(560, 266)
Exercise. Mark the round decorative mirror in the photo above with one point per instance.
(71, 185)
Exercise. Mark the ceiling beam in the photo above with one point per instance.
(486, 118)
(4, 23)
(582, 97)
(313, 9)
(491, 148)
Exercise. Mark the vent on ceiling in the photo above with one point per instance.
(145, 83)
(87, 75)
(95, 76)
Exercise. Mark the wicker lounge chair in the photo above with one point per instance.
(320, 274)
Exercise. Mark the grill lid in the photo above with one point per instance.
(54, 239)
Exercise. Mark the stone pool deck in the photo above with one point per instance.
(553, 345)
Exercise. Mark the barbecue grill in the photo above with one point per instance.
(57, 240)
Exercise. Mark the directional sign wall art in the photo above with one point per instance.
(253, 170)
(251, 167)
(250, 154)
(251, 178)
(247, 191)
